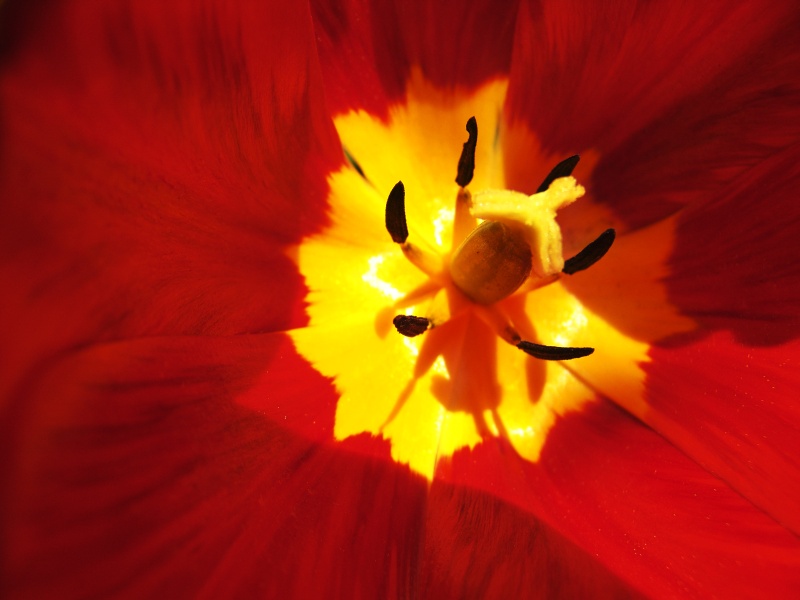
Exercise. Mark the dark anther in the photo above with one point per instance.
(466, 164)
(410, 326)
(591, 254)
(354, 163)
(553, 352)
(396, 214)
(562, 169)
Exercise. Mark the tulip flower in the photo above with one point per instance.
(387, 300)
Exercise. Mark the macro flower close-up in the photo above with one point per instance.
(403, 299)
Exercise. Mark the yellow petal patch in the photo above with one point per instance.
(458, 383)
(420, 145)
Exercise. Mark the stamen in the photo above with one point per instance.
(591, 254)
(411, 326)
(499, 206)
(553, 352)
(466, 164)
(495, 318)
(396, 214)
(354, 163)
(463, 221)
(426, 289)
(427, 262)
(534, 283)
(562, 169)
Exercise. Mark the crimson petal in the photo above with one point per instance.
(736, 263)
(157, 159)
(368, 49)
(727, 395)
(138, 472)
(733, 409)
(650, 514)
(678, 99)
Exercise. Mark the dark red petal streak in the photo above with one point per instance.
(653, 516)
(736, 262)
(157, 159)
(478, 546)
(368, 48)
(678, 98)
(138, 473)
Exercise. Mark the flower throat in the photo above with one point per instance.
(517, 248)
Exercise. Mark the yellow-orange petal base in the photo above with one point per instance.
(458, 383)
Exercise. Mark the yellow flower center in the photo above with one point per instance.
(434, 394)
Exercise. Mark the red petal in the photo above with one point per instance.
(156, 160)
(368, 49)
(727, 396)
(650, 514)
(477, 546)
(736, 263)
(678, 98)
(136, 473)
(734, 410)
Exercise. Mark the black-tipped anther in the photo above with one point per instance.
(396, 214)
(354, 163)
(562, 169)
(591, 254)
(466, 164)
(553, 352)
(411, 326)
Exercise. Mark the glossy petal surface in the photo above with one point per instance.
(163, 482)
(647, 511)
(154, 162)
(458, 384)
(159, 165)
(680, 98)
(718, 152)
